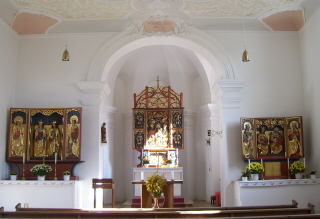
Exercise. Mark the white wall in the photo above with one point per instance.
(273, 89)
(8, 62)
(310, 53)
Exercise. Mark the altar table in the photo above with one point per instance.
(168, 192)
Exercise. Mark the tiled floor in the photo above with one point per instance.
(195, 203)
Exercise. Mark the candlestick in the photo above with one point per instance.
(55, 171)
(288, 168)
(261, 162)
(55, 157)
(249, 163)
(23, 158)
(23, 168)
(304, 162)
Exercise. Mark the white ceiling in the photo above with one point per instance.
(87, 16)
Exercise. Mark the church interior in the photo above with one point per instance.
(193, 82)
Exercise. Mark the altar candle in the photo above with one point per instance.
(249, 163)
(23, 158)
(172, 175)
(142, 175)
(55, 158)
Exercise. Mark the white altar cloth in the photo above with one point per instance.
(40, 194)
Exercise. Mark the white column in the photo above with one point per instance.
(187, 156)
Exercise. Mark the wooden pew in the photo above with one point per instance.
(160, 213)
(293, 205)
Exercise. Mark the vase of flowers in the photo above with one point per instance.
(155, 184)
(313, 174)
(297, 168)
(66, 175)
(245, 175)
(146, 163)
(255, 169)
(169, 163)
(41, 170)
(13, 176)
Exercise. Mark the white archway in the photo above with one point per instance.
(217, 73)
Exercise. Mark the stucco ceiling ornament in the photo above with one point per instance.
(159, 24)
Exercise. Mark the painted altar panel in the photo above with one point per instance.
(18, 133)
(73, 133)
(46, 133)
(157, 130)
(272, 138)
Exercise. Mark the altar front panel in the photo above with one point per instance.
(40, 194)
(175, 173)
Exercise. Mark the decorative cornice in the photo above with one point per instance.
(284, 182)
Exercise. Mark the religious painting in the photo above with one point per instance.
(73, 133)
(294, 137)
(18, 134)
(138, 116)
(46, 133)
(138, 139)
(247, 133)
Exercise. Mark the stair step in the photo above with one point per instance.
(178, 201)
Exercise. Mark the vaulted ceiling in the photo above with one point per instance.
(88, 16)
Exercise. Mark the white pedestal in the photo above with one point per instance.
(143, 173)
(40, 194)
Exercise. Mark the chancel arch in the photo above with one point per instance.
(211, 79)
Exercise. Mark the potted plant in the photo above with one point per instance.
(41, 170)
(245, 175)
(298, 169)
(169, 163)
(313, 173)
(146, 163)
(66, 175)
(13, 176)
(154, 185)
(255, 169)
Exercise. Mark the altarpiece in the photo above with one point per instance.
(158, 130)
(51, 135)
(275, 142)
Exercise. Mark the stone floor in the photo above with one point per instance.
(195, 203)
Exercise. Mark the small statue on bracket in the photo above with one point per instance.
(103, 133)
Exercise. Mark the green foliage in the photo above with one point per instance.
(66, 173)
(313, 172)
(13, 173)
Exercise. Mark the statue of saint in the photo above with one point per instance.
(54, 142)
(73, 137)
(40, 141)
(17, 138)
(103, 133)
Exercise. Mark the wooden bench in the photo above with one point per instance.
(159, 213)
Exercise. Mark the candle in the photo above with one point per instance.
(142, 175)
(288, 163)
(23, 158)
(304, 162)
(55, 157)
(261, 162)
(249, 163)
(172, 175)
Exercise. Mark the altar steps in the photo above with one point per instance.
(178, 202)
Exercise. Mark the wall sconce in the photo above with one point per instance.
(212, 133)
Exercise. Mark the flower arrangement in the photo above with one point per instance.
(297, 167)
(313, 172)
(169, 162)
(41, 169)
(245, 173)
(255, 168)
(13, 173)
(155, 184)
(145, 162)
(66, 173)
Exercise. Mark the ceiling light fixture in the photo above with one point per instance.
(245, 55)
(65, 54)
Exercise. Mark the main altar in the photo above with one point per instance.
(158, 135)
